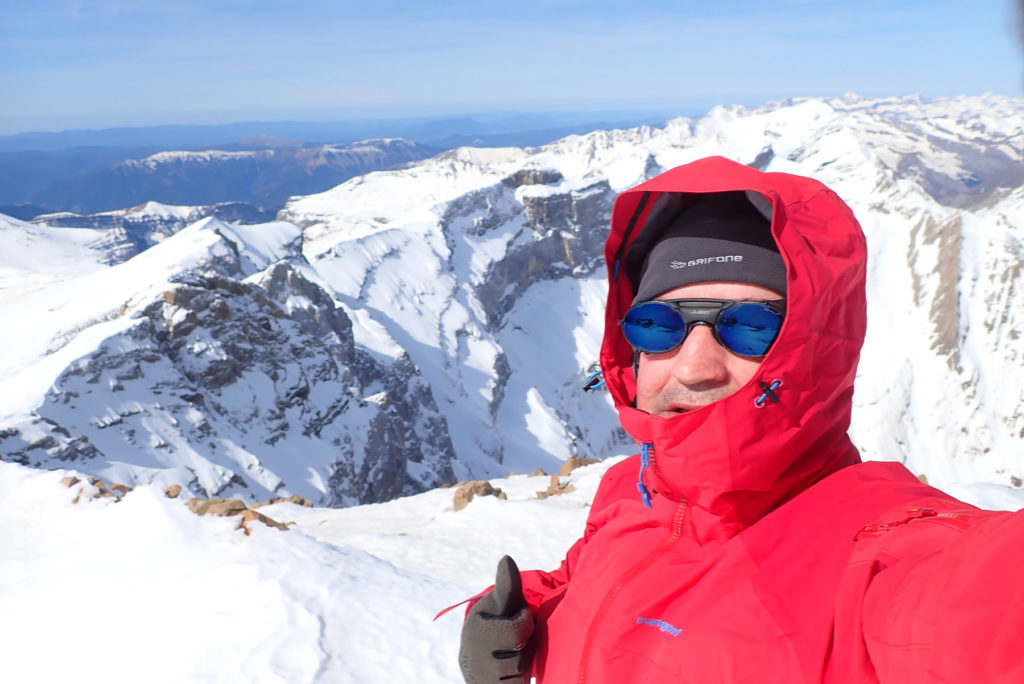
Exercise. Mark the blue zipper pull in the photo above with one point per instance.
(645, 462)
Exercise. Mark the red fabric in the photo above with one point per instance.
(746, 568)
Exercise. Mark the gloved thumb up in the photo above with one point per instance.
(497, 644)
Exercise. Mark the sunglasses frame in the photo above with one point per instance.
(708, 312)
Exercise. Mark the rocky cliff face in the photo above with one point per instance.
(241, 383)
(513, 243)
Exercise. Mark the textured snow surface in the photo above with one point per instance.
(142, 590)
(33, 257)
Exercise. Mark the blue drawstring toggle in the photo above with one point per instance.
(595, 381)
(769, 393)
(645, 462)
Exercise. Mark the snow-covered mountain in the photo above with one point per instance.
(264, 176)
(35, 256)
(434, 323)
(212, 361)
(125, 233)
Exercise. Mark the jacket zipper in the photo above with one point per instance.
(629, 576)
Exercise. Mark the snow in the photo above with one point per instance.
(36, 256)
(79, 302)
(71, 317)
(143, 590)
(181, 156)
(140, 589)
(166, 211)
(263, 244)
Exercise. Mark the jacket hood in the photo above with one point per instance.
(741, 456)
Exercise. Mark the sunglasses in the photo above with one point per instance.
(744, 328)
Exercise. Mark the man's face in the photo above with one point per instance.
(700, 370)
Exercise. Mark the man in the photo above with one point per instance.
(747, 542)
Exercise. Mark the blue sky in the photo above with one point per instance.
(95, 64)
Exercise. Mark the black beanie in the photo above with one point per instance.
(718, 236)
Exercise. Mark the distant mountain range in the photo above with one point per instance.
(260, 163)
(432, 323)
(264, 177)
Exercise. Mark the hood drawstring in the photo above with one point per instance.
(645, 462)
(768, 393)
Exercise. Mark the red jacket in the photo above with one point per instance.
(769, 552)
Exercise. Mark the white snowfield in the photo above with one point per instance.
(34, 257)
(142, 590)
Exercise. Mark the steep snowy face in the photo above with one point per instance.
(479, 259)
(127, 232)
(436, 322)
(33, 257)
(229, 371)
(485, 265)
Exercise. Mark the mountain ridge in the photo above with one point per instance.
(266, 176)
(474, 280)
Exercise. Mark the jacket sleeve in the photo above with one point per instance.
(945, 600)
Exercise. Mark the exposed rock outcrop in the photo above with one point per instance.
(466, 492)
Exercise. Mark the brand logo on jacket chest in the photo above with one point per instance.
(660, 624)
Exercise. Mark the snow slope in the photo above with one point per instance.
(36, 256)
(141, 589)
(453, 254)
(209, 355)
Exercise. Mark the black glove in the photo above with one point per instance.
(496, 637)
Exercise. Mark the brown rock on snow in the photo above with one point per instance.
(223, 507)
(248, 515)
(555, 488)
(574, 462)
(465, 493)
(229, 507)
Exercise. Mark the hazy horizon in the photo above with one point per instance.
(99, 64)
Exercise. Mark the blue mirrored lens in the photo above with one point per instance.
(653, 327)
(748, 328)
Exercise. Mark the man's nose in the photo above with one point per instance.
(700, 360)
